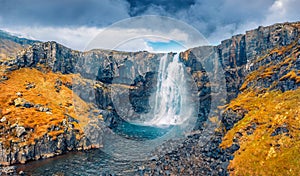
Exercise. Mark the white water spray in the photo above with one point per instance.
(170, 94)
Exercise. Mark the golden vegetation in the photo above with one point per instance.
(262, 153)
(291, 75)
(38, 123)
(267, 70)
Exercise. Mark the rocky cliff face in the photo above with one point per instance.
(237, 64)
(239, 55)
(254, 65)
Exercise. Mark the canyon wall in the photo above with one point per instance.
(215, 70)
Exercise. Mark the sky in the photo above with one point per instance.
(75, 23)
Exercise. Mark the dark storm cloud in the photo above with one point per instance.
(219, 19)
(138, 7)
(216, 19)
(205, 15)
(62, 12)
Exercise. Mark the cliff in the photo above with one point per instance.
(242, 69)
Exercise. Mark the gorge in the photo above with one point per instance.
(192, 106)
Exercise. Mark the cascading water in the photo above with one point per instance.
(174, 114)
(170, 93)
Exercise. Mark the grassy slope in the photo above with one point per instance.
(44, 93)
(260, 152)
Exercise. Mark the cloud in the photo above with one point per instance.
(215, 19)
(125, 39)
(283, 10)
(75, 38)
(73, 22)
(62, 12)
(138, 7)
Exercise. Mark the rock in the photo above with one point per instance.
(19, 102)
(4, 78)
(28, 104)
(22, 102)
(19, 94)
(8, 170)
(29, 85)
(3, 119)
(43, 109)
(154, 158)
(13, 125)
(71, 119)
(21, 173)
(20, 131)
(37, 106)
(280, 130)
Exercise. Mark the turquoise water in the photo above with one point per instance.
(92, 162)
(139, 131)
(96, 162)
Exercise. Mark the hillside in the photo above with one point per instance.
(54, 100)
(263, 121)
(10, 45)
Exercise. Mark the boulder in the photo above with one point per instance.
(20, 131)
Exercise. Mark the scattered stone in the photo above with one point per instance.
(21, 173)
(154, 158)
(37, 106)
(20, 131)
(30, 85)
(280, 130)
(3, 78)
(43, 109)
(13, 125)
(19, 94)
(22, 102)
(58, 85)
(28, 104)
(9, 170)
(19, 102)
(3, 119)
(48, 112)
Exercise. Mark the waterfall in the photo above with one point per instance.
(170, 93)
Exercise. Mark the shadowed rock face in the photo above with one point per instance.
(107, 73)
(235, 56)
